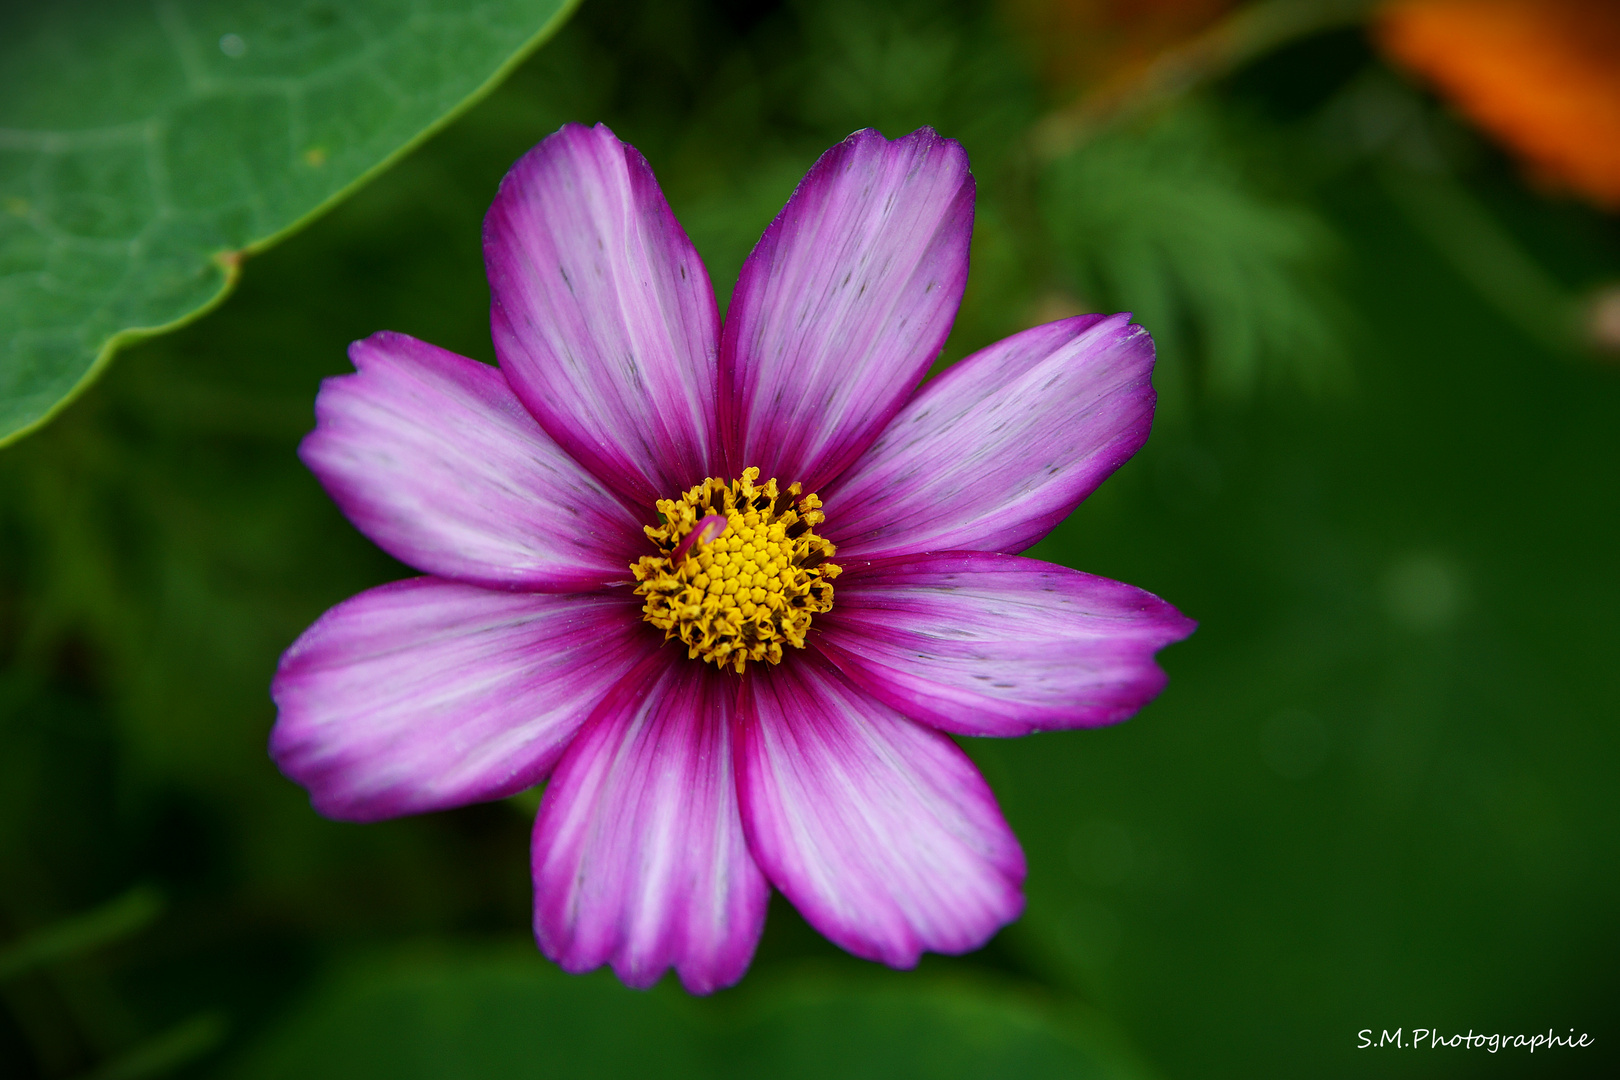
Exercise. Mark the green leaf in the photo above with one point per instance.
(509, 1014)
(146, 148)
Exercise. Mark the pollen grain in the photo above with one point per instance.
(743, 594)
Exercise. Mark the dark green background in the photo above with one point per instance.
(1378, 792)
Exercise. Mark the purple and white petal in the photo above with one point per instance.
(979, 643)
(844, 304)
(1001, 447)
(426, 694)
(602, 313)
(432, 456)
(639, 856)
(880, 831)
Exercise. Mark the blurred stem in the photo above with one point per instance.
(1485, 256)
(82, 933)
(84, 1011)
(180, 1045)
(1247, 34)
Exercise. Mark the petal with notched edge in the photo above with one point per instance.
(432, 457)
(998, 449)
(426, 694)
(639, 856)
(879, 830)
(843, 304)
(602, 313)
(979, 643)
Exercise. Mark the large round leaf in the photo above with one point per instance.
(145, 148)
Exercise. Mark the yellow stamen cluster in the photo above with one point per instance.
(741, 595)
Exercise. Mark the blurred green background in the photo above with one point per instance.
(1378, 793)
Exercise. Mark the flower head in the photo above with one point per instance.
(726, 589)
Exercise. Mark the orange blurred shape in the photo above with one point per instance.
(1543, 76)
(1090, 43)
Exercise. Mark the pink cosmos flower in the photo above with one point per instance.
(617, 603)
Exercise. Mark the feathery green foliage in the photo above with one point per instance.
(1162, 219)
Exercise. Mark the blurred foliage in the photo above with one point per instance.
(113, 920)
(144, 148)
(1543, 76)
(1084, 44)
(1377, 793)
(495, 1014)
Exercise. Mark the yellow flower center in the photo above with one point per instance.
(739, 570)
